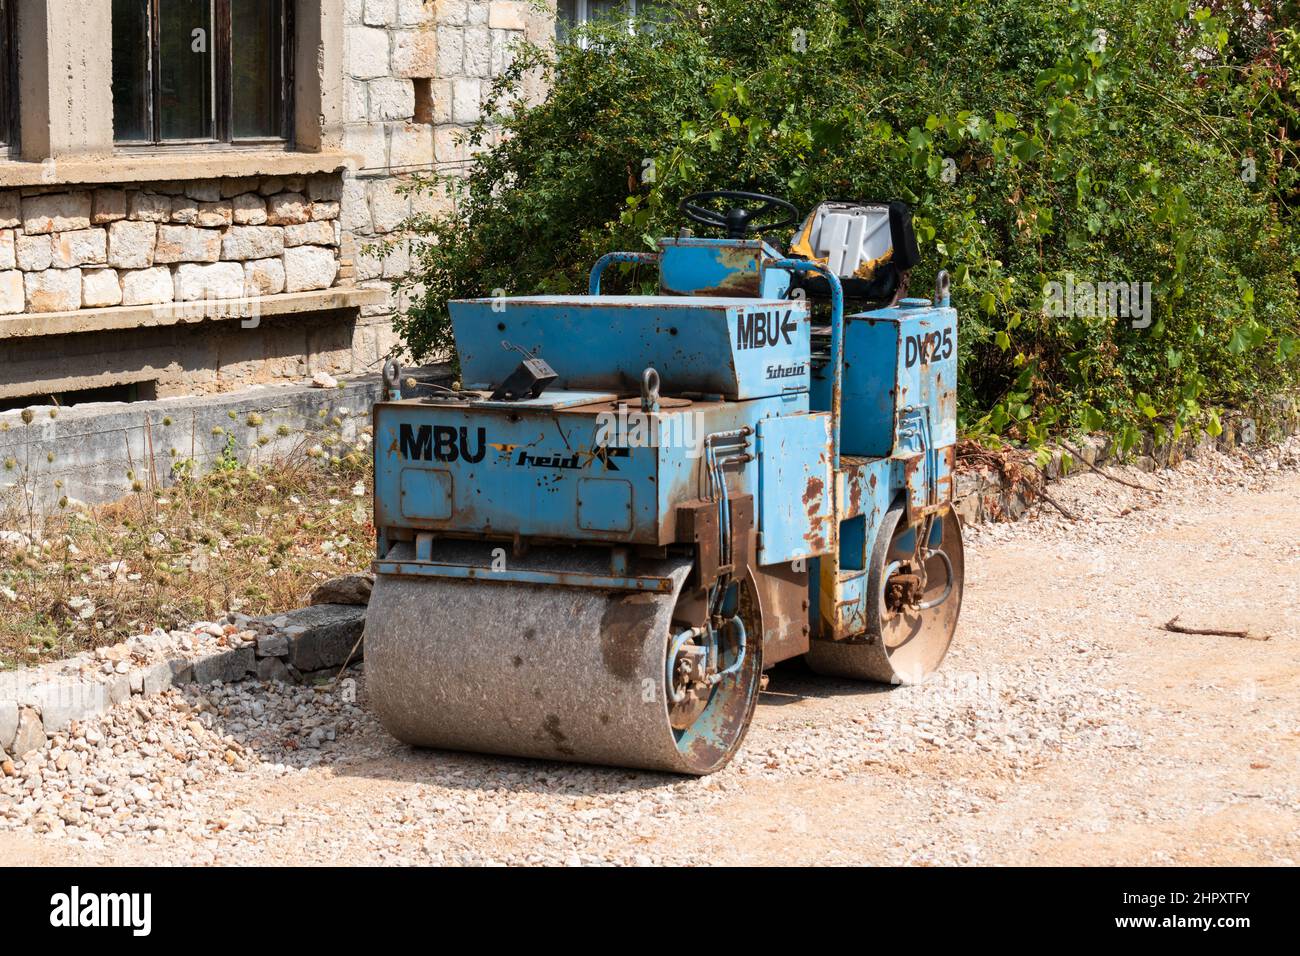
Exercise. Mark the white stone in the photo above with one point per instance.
(54, 290)
(109, 206)
(450, 51)
(507, 15)
(263, 277)
(478, 51)
(368, 263)
(150, 207)
(56, 212)
(441, 102)
(397, 261)
(215, 214)
(369, 142)
(12, 297)
(504, 44)
(252, 242)
(392, 99)
(324, 210)
(187, 244)
(415, 53)
(414, 12)
(287, 209)
(357, 109)
(309, 267)
(8, 723)
(62, 703)
(388, 206)
(465, 100)
(185, 210)
(131, 244)
(100, 288)
(34, 253)
(249, 210)
(448, 145)
(309, 234)
(367, 52)
(8, 254)
(455, 11)
(213, 280)
(411, 147)
(81, 247)
(147, 286)
(380, 13)
(354, 213)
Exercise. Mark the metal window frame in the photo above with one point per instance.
(221, 42)
(582, 16)
(9, 129)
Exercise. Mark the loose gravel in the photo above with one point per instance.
(1065, 727)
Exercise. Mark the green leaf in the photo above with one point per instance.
(1215, 428)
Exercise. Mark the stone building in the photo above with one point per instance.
(188, 187)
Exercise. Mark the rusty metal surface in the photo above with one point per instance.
(904, 648)
(546, 672)
(782, 591)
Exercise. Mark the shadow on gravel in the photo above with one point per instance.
(789, 683)
(793, 681)
(488, 772)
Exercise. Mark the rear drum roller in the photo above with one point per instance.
(905, 641)
(557, 673)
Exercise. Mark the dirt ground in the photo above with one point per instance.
(1067, 727)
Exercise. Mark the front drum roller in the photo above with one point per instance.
(903, 644)
(556, 673)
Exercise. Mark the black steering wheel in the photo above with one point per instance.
(745, 219)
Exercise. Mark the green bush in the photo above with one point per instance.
(1114, 140)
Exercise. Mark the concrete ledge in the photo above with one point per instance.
(128, 167)
(39, 703)
(85, 451)
(31, 324)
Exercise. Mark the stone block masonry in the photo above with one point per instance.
(417, 74)
(64, 249)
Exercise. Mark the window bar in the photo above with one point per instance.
(223, 81)
(154, 86)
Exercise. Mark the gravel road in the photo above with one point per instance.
(1067, 727)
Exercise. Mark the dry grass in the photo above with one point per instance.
(254, 540)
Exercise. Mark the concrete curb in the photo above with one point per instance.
(303, 645)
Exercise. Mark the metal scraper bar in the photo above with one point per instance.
(571, 579)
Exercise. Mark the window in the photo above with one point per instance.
(8, 77)
(201, 71)
(574, 13)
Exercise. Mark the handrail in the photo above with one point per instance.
(837, 341)
(593, 282)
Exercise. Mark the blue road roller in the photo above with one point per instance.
(593, 545)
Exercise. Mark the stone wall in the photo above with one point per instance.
(383, 90)
(417, 73)
(65, 249)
